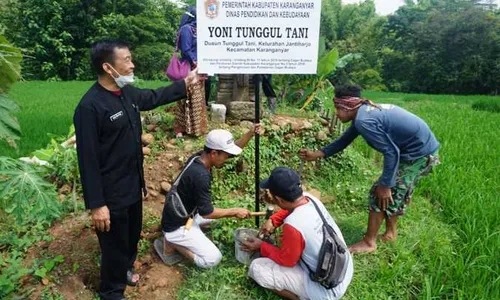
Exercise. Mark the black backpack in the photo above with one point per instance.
(333, 257)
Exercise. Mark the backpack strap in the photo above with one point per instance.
(178, 36)
(318, 210)
(177, 41)
(307, 266)
(324, 224)
(176, 183)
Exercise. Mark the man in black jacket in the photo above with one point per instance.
(108, 132)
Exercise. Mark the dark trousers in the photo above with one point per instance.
(267, 86)
(208, 87)
(269, 92)
(119, 250)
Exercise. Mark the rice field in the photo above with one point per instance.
(465, 190)
(46, 108)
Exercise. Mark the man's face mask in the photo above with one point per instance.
(122, 80)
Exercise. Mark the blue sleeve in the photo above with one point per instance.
(378, 139)
(342, 142)
(186, 44)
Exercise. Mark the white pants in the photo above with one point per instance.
(270, 275)
(206, 254)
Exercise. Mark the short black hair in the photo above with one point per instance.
(103, 51)
(207, 150)
(349, 90)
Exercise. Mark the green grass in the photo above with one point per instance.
(493, 106)
(47, 108)
(449, 240)
(465, 189)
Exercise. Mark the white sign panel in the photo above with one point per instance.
(258, 37)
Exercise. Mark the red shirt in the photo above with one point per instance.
(292, 243)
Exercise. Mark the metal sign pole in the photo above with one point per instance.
(257, 79)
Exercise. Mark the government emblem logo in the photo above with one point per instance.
(212, 8)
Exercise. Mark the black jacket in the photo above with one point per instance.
(108, 136)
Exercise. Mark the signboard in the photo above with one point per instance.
(258, 37)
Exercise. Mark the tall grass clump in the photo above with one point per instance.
(492, 106)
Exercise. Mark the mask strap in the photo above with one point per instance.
(119, 75)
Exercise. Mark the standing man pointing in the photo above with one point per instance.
(410, 151)
(108, 132)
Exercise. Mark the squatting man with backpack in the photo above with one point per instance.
(188, 207)
(410, 151)
(313, 261)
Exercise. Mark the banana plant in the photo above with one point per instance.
(319, 84)
(10, 72)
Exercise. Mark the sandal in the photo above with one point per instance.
(130, 275)
(169, 256)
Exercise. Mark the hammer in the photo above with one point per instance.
(269, 211)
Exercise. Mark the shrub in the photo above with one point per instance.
(487, 105)
(369, 79)
(152, 60)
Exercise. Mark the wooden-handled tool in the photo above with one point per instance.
(258, 213)
(188, 225)
(268, 213)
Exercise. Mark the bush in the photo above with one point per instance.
(487, 105)
(369, 79)
(83, 70)
(152, 60)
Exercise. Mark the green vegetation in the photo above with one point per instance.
(487, 105)
(10, 72)
(47, 109)
(464, 191)
(443, 250)
(445, 46)
(57, 34)
(447, 242)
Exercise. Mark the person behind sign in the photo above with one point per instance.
(191, 114)
(410, 151)
(194, 191)
(283, 269)
(269, 92)
(108, 134)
